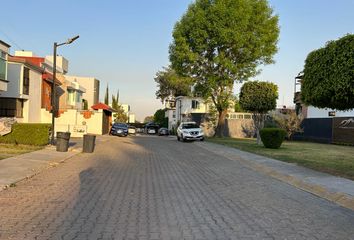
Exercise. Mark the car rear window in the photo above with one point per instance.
(121, 125)
(189, 125)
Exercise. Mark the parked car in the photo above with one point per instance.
(119, 129)
(151, 130)
(163, 132)
(189, 131)
(131, 130)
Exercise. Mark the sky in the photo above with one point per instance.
(124, 43)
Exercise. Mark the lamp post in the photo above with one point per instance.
(54, 107)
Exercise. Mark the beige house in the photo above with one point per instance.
(91, 85)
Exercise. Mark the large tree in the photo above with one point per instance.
(220, 42)
(160, 119)
(258, 98)
(170, 84)
(328, 80)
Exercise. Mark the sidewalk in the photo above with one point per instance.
(15, 169)
(332, 188)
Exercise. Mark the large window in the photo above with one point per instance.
(26, 80)
(2, 65)
(11, 107)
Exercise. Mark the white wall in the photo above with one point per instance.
(184, 106)
(313, 112)
(172, 120)
(34, 97)
(74, 121)
(131, 118)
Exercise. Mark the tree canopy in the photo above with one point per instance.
(218, 42)
(328, 80)
(148, 119)
(160, 119)
(169, 83)
(106, 96)
(120, 115)
(259, 98)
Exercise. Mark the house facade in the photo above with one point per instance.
(188, 106)
(4, 52)
(196, 109)
(71, 95)
(21, 100)
(91, 86)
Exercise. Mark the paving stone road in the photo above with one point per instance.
(157, 188)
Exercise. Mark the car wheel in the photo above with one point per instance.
(183, 139)
(202, 139)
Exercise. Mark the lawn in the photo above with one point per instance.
(334, 159)
(10, 150)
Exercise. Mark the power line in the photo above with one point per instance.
(11, 40)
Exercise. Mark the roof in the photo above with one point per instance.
(4, 43)
(25, 62)
(34, 63)
(49, 77)
(102, 106)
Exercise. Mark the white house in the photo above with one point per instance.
(185, 106)
(4, 52)
(22, 99)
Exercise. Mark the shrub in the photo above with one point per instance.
(28, 134)
(272, 137)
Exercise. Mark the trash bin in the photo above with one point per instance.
(63, 141)
(89, 143)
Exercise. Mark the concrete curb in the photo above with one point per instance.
(41, 169)
(339, 198)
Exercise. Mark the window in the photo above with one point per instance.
(26, 73)
(11, 107)
(195, 104)
(2, 65)
(189, 126)
(173, 114)
(78, 97)
(71, 97)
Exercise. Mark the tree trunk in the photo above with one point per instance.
(219, 131)
(258, 119)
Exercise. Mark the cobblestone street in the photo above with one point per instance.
(148, 187)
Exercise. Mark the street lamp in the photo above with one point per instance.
(54, 109)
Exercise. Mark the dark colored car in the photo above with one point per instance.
(119, 129)
(163, 132)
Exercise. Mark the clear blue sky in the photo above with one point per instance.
(124, 43)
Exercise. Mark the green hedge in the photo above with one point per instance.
(272, 137)
(28, 134)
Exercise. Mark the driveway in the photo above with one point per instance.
(149, 187)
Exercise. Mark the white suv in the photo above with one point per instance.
(189, 131)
